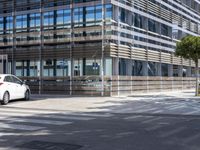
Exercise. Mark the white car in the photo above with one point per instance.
(12, 88)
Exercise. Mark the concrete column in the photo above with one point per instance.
(108, 67)
(189, 71)
(145, 68)
(39, 71)
(115, 66)
(180, 71)
(84, 66)
(159, 69)
(69, 68)
(170, 70)
(13, 67)
(81, 67)
(129, 67)
(6, 57)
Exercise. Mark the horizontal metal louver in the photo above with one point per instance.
(165, 14)
(139, 54)
(153, 8)
(177, 60)
(153, 56)
(141, 4)
(166, 58)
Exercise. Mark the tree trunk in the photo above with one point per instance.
(197, 77)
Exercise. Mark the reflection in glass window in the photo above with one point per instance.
(90, 16)
(48, 18)
(63, 18)
(78, 65)
(19, 68)
(67, 17)
(1, 25)
(151, 25)
(60, 18)
(34, 20)
(175, 70)
(48, 68)
(137, 68)
(92, 67)
(123, 15)
(21, 21)
(78, 17)
(9, 24)
(152, 68)
(33, 69)
(165, 30)
(62, 67)
(139, 21)
(98, 14)
(164, 70)
(109, 11)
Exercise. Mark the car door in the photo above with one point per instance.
(10, 87)
(19, 88)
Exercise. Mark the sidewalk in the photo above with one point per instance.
(92, 104)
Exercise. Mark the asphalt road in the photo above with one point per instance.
(148, 122)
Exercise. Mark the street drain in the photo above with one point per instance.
(42, 145)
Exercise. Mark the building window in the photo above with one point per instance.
(78, 17)
(33, 69)
(123, 15)
(139, 21)
(90, 16)
(48, 68)
(109, 11)
(1, 25)
(9, 24)
(21, 22)
(92, 67)
(165, 30)
(98, 15)
(35, 21)
(78, 65)
(164, 68)
(152, 68)
(49, 19)
(62, 67)
(152, 25)
(137, 68)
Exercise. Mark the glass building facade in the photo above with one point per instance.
(48, 40)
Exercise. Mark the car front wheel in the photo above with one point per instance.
(27, 95)
(6, 98)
